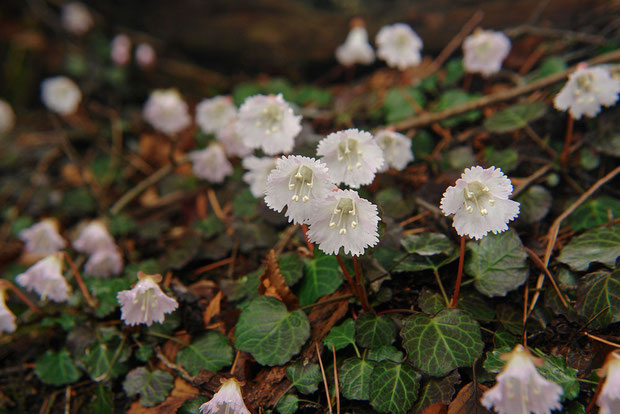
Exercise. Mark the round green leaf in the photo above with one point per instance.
(341, 336)
(436, 391)
(601, 245)
(211, 351)
(288, 404)
(393, 387)
(99, 362)
(354, 378)
(515, 117)
(372, 331)
(599, 294)
(428, 244)
(304, 377)
(594, 213)
(291, 267)
(153, 387)
(321, 277)
(57, 368)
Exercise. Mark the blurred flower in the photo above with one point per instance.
(7, 318)
(258, 171)
(232, 142)
(484, 52)
(211, 163)
(295, 182)
(268, 122)
(352, 156)
(586, 90)
(479, 202)
(46, 279)
(120, 50)
(76, 18)
(7, 117)
(396, 149)
(145, 302)
(104, 262)
(93, 237)
(609, 398)
(215, 113)
(42, 237)
(356, 48)
(227, 399)
(399, 46)
(166, 111)
(520, 388)
(61, 95)
(145, 55)
(343, 219)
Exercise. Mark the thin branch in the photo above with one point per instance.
(179, 369)
(318, 354)
(599, 339)
(336, 380)
(542, 266)
(78, 277)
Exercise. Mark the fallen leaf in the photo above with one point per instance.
(467, 401)
(272, 283)
(213, 309)
(437, 408)
(181, 392)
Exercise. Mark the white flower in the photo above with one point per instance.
(61, 95)
(609, 398)
(145, 55)
(76, 18)
(232, 142)
(479, 202)
(93, 237)
(295, 183)
(258, 171)
(104, 263)
(227, 399)
(586, 90)
(211, 163)
(356, 48)
(120, 49)
(353, 157)
(399, 46)
(484, 52)
(520, 389)
(396, 149)
(7, 318)
(46, 279)
(7, 117)
(145, 302)
(166, 111)
(344, 219)
(215, 113)
(268, 122)
(42, 237)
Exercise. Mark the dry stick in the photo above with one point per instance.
(336, 380)
(318, 354)
(534, 136)
(234, 365)
(529, 180)
(360, 284)
(326, 301)
(215, 205)
(214, 265)
(68, 399)
(599, 339)
(526, 292)
(459, 275)
(542, 266)
(169, 364)
(78, 277)
(567, 140)
(20, 295)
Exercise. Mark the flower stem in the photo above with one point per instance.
(78, 277)
(567, 140)
(309, 244)
(360, 284)
(459, 275)
(443, 291)
(354, 288)
(21, 296)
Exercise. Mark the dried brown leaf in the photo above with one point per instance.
(467, 401)
(213, 309)
(181, 392)
(272, 283)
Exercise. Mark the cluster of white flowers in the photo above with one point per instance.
(484, 51)
(214, 114)
(46, 279)
(396, 149)
(145, 302)
(61, 95)
(76, 18)
(7, 318)
(42, 238)
(7, 117)
(211, 163)
(609, 398)
(120, 49)
(227, 399)
(105, 259)
(258, 171)
(166, 111)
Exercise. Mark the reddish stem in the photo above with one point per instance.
(360, 284)
(348, 276)
(21, 296)
(567, 140)
(309, 244)
(78, 277)
(459, 275)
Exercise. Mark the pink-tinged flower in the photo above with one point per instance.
(258, 171)
(396, 149)
(42, 238)
(356, 48)
(145, 55)
(7, 117)
(7, 318)
(484, 52)
(76, 18)
(232, 142)
(294, 184)
(268, 122)
(104, 263)
(61, 95)
(399, 46)
(145, 302)
(166, 111)
(227, 399)
(120, 50)
(586, 90)
(479, 202)
(520, 389)
(343, 219)
(93, 237)
(211, 163)
(46, 279)
(352, 156)
(609, 398)
(215, 113)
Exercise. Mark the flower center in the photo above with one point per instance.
(475, 195)
(349, 152)
(402, 41)
(300, 183)
(270, 119)
(344, 215)
(483, 50)
(148, 302)
(585, 85)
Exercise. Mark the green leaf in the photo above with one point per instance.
(400, 103)
(121, 225)
(507, 159)
(341, 336)
(57, 368)
(535, 204)
(599, 294)
(594, 213)
(430, 302)
(98, 360)
(455, 97)
(385, 353)
(601, 245)
(428, 244)
(105, 291)
(354, 377)
(504, 338)
(153, 387)
(549, 66)
(497, 263)
(392, 202)
(476, 306)
(246, 287)
(372, 331)
(393, 387)
(245, 204)
(192, 406)
(454, 71)
(439, 344)
(210, 351)
(269, 332)
(321, 277)
(77, 202)
(144, 352)
(291, 267)
(436, 391)
(515, 117)
(103, 402)
(288, 404)
(305, 377)
(209, 226)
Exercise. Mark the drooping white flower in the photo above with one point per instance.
(145, 302)
(268, 122)
(227, 399)
(258, 171)
(46, 279)
(586, 90)
(295, 183)
(356, 48)
(352, 156)
(7, 318)
(42, 238)
(215, 113)
(484, 51)
(104, 263)
(7, 117)
(61, 95)
(520, 388)
(166, 111)
(343, 219)
(120, 49)
(93, 237)
(76, 18)
(609, 398)
(232, 142)
(396, 149)
(211, 163)
(399, 46)
(479, 202)
(145, 55)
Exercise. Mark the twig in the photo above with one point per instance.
(534, 136)
(441, 288)
(326, 301)
(78, 277)
(542, 266)
(336, 380)
(20, 295)
(599, 339)
(318, 354)
(234, 365)
(526, 292)
(68, 399)
(179, 369)
(557, 33)
(529, 180)
(215, 205)
(214, 265)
